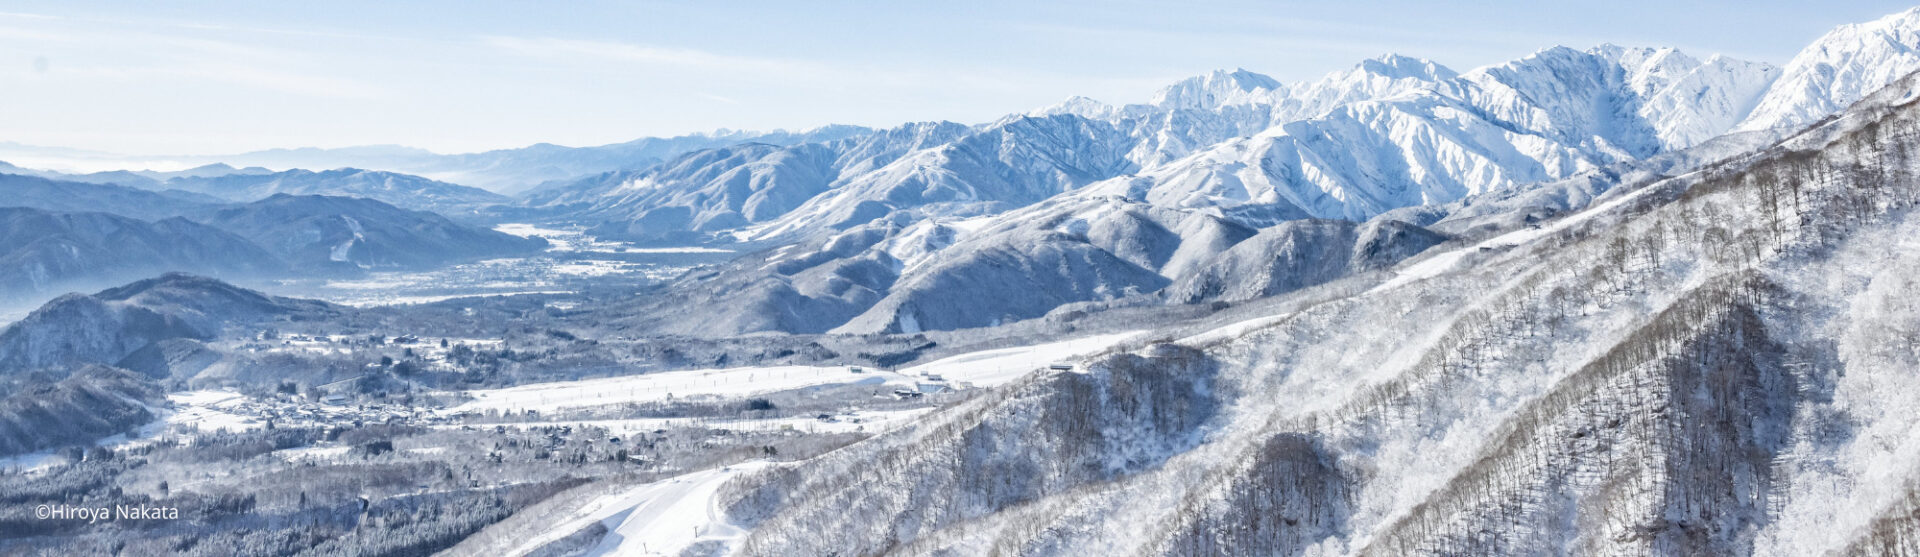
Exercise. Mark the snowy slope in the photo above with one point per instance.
(1218, 157)
(1544, 117)
(1841, 67)
(1704, 364)
(667, 517)
(401, 190)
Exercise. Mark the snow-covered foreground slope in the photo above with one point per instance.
(669, 516)
(1716, 363)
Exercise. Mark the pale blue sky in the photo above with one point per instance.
(220, 77)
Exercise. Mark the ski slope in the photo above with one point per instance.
(665, 517)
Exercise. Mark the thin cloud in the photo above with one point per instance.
(160, 57)
(589, 50)
(21, 15)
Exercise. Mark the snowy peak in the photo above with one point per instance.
(1648, 70)
(1703, 102)
(1077, 106)
(1216, 89)
(1838, 69)
(1397, 66)
(1373, 78)
(1684, 99)
(1572, 95)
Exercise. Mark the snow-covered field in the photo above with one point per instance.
(995, 367)
(573, 240)
(978, 369)
(869, 421)
(209, 411)
(655, 387)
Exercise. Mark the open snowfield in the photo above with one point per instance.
(995, 367)
(978, 369)
(655, 387)
(570, 240)
(209, 411)
(868, 421)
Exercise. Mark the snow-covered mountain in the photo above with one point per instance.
(1217, 89)
(56, 235)
(45, 253)
(1567, 304)
(401, 190)
(39, 412)
(1682, 368)
(144, 179)
(731, 187)
(1393, 136)
(511, 171)
(1420, 136)
(1839, 68)
(112, 324)
(1540, 118)
(1390, 132)
(343, 234)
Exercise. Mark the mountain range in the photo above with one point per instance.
(57, 236)
(1101, 204)
(1691, 365)
(1085, 202)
